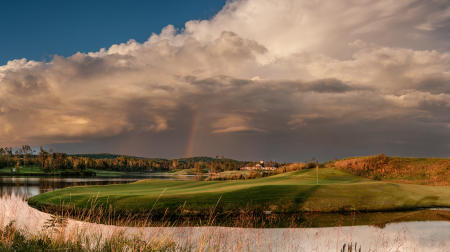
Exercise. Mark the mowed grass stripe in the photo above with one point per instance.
(289, 192)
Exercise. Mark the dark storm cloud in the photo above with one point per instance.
(330, 86)
(435, 86)
(330, 79)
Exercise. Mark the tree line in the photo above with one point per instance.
(50, 161)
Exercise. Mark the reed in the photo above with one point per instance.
(26, 229)
(14, 239)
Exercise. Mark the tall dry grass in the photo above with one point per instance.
(426, 171)
(24, 228)
(261, 173)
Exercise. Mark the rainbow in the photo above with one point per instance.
(192, 135)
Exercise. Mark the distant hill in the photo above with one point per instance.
(97, 156)
(427, 171)
(206, 159)
(112, 156)
(189, 159)
(118, 162)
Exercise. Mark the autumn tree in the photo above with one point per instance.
(42, 156)
(26, 152)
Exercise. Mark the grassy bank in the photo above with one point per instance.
(37, 171)
(337, 191)
(13, 239)
(24, 170)
(425, 171)
(108, 174)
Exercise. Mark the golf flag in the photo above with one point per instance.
(317, 174)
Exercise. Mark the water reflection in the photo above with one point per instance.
(31, 186)
(408, 236)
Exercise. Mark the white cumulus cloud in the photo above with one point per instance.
(304, 71)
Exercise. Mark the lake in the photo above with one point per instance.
(31, 186)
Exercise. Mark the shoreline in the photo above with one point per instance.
(140, 176)
(305, 219)
(427, 236)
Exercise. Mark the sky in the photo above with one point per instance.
(38, 30)
(284, 80)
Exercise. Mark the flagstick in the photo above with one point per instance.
(317, 174)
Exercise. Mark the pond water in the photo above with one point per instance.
(31, 186)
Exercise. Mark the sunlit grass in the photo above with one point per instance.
(291, 192)
(23, 169)
(426, 171)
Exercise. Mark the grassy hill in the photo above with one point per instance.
(285, 193)
(426, 171)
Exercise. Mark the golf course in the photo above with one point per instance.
(298, 191)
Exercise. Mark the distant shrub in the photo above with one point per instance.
(291, 167)
(239, 175)
(311, 165)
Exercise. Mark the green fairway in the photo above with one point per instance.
(108, 174)
(23, 170)
(289, 192)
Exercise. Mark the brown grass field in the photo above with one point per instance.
(424, 171)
